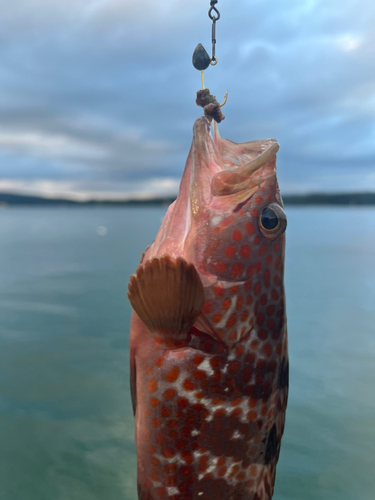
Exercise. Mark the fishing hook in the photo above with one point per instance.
(225, 99)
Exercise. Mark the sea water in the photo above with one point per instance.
(66, 424)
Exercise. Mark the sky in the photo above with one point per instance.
(97, 97)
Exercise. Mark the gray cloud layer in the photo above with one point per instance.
(99, 95)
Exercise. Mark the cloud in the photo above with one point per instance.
(104, 90)
(79, 190)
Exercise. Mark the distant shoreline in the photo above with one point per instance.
(313, 199)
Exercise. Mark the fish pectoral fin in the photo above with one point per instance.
(167, 294)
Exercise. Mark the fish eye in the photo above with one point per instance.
(269, 219)
(272, 221)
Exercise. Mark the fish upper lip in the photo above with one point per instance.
(236, 179)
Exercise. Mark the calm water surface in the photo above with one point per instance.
(66, 427)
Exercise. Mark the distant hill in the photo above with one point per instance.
(331, 199)
(19, 199)
(308, 199)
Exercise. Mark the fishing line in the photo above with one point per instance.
(201, 59)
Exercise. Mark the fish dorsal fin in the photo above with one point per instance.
(167, 294)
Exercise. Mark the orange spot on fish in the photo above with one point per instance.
(274, 295)
(156, 422)
(245, 251)
(257, 288)
(230, 251)
(277, 247)
(226, 304)
(198, 359)
(271, 324)
(188, 385)
(276, 335)
(239, 303)
(231, 321)
(264, 411)
(262, 334)
(259, 200)
(217, 318)
(228, 221)
(234, 470)
(154, 402)
(169, 394)
(249, 227)
(165, 412)
(233, 366)
(252, 403)
(237, 412)
(154, 475)
(237, 270)
(233, 335)
(254, 213)
(220, 267)
(251, 415)
(267, 278)
(216, 362)
(159, 362)
(170, 468)
(267, 349)
(173, 374)
(263, 299)
(207, 307)
(221, 472)
(253, 470)
(239, 350)
(272, 365)
(240, 476)
(182, 402)
(187, 457)
(152, 385)
(181, 444)
(168, 453)
(260, 319)
(172, 423)
(244, 315)
(237, 236)
(219, 413)
(247, 285)
(203, 464)
(249, 300)
(236, 402)
(219, 291)
(270, 309)
(234, 290)
(199, 374)
(269, 259)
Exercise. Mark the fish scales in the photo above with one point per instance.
(209, 362)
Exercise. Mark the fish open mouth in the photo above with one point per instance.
(244, 165)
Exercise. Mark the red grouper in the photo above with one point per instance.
(209, 362)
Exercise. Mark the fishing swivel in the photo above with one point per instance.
(201, 59)
(213, 18)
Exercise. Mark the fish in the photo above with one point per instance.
(208, 343)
